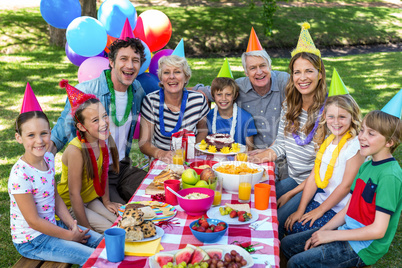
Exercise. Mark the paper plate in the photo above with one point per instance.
(159, 213)
(214, 213)
(159, 233)
(242, 150)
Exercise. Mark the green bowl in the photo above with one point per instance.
(212, 186)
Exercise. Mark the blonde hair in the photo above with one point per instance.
(387, 125)
(294, 99)
(347, 103)
(219, 83)
(177, 62)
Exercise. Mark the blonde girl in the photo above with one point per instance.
(34, 201)
(326, 190)
(83, 186)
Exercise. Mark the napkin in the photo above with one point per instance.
(146, 249)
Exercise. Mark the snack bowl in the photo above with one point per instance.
(196, 207)
(196, 164)
(230, 182)
(209, 237)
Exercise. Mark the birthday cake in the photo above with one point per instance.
(219, 140)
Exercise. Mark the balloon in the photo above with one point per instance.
(86, 36)
(110, 40)
(147, 52)
(91, 68)
(113, 14)
(60, 13)
(154, 28)
(75, 58)
(149, 82)
(153, 66)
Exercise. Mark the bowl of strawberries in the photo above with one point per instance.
(208, 230)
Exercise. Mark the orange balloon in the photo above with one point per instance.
(154, 28)
(110, 40)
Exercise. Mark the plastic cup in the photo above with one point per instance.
(170, 197)
(241, 157)
(262, 192)
(115, 239)
(245, 188)
(218, 192)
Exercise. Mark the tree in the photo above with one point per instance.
(58, 36)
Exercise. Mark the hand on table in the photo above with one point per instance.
(113, 207)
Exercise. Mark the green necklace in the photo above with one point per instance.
(113, 101)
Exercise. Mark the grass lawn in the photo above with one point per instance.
(372, 79)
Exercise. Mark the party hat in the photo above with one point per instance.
(253, 42)
(75, 96)
(305, 43)
(337, 86)
(225, 70)
(127, 31)
(30, 103)
(394, 106)
(179, 50)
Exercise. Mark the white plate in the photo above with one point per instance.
(214, 213)
(159, 233)
(242, 150)
(225, 248)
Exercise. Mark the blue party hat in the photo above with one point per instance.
(179, 50)
(394, 106)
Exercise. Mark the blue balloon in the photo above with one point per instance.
(147, 52)
(149, 82)
(113, 13)
(60, 13)
(86, 36)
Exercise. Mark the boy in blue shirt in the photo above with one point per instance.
(362, 232)
(227, 117)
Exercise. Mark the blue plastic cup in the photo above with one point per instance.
(115, 239)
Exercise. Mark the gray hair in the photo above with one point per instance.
(175, 61)
(256, 53)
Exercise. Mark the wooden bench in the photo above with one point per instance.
(29, 263)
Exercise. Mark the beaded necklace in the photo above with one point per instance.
(310, 136)
(234, 120)
(113, 101)
(331, 165)
(98, 185)
(181, 114)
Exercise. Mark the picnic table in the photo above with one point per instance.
(180, 235)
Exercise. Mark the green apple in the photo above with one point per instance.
(202, 184)
(189, 176)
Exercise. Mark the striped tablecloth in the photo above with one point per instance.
(180, 235)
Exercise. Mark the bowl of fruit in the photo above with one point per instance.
(206, 179)
(208, 230)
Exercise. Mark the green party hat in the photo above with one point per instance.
(394, 106)
(225, 70)
(337, 86)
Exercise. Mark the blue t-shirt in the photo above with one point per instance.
(245, 126)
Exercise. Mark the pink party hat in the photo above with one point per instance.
(75, 96)
(394, 106)
(30, 103)
(127, 31)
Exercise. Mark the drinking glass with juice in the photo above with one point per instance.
(178, 157)
(241, 157)
(245, 188)
(218, 192)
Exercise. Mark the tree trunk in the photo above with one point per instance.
(58, 36)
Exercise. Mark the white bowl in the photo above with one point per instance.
(231, 181)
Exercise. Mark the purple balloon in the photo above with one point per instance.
(153, 66)
(75, 58)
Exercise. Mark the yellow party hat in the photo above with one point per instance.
(225, 70)
(337, 86)
(305, 43)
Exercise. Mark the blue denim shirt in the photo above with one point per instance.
(64, 130)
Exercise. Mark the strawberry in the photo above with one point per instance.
(195, 226)
(209, 230)
(219, 228)
(201, 229)
(222, 223)
(240, 213)
(205, 224)
(201, 220)
(233, 214)
(245, 217)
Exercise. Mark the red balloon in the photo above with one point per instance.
(154, 28)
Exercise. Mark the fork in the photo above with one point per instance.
(257, 224)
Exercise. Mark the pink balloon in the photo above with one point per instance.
(91, 68)
(153, 66)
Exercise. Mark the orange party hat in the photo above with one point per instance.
(253, 42)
